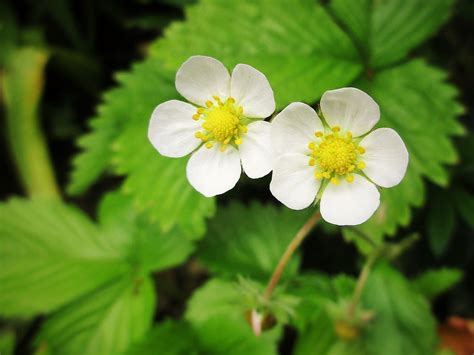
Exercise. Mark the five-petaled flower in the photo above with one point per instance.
(333, 159)
(223, 127)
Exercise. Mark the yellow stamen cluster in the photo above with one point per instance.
(222, 123)
(335, 156)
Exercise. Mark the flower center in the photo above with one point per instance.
(335, 156)
(222, 123)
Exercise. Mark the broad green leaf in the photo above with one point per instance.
(7, 342)
(216, 336)
(440, 222)
(157, 184)
(385, 31)
(222, 336)
(250, 240)
(416, 89)
(416, 101)
(106, 321)
(148, 247)
(51, 253)
(302, 55)
(111, 117)
(315, 291)
(318, 337)
(401, 316)
(403, 321)
(216, 297)
(170, 338)
(220, 301)
(434, 282)
(347, 347)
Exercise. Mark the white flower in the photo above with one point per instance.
(222, 128)
(334, 158)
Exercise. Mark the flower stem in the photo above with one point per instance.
(290, 249)
(364, 237)
(21, 86)
(361, 281)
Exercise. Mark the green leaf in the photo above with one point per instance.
(440, 223)
(403, 322)
(414, 89)
(297, 53)
(221, 336)
(385, 31)
(50, 254)
(434, 282)
(250, 240)
(216, 336)
(313, 290)
(157, 184)
(169, 337)
(216, 297)
(318, 337)
(148, 246)
(401, 317)
(106, 321)
(351, 347)
(220, 301)
(7, 342)
(119, 105)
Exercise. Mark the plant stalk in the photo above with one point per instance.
(22, 86)
(361, 281)
(290, 249)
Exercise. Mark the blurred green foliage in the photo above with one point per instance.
(102, 285)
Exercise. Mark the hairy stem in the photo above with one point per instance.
(364, 237)
(290, 249)
(361, 281)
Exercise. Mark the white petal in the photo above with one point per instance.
(171, 129)
(293, 182)
(385, 157)
(213, 172)
(293, 129)
(256, 150)
(200, 78)
(349, 203)
(351, 109)
(251, 90)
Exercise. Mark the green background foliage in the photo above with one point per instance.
(133, 260)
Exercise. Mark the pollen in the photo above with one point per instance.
(335, 156)
(222, 123)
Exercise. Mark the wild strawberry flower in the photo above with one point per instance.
(333, 158)
(223, 126)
